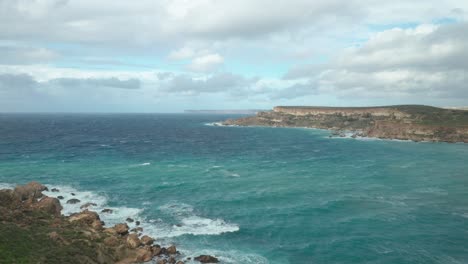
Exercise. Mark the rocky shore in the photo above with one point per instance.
(33, 230)
(403, 122)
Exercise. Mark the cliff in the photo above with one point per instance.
(405, 122)
(32, 230)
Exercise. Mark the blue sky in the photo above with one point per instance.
(167, 56)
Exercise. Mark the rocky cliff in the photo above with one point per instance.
(405, 122)
(32, 230)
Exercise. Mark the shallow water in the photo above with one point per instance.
(251, 195)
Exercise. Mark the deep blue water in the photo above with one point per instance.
(251, 195)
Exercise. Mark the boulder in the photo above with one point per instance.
(133, 241)
(86, 217)
(32, 189)
(55, 190)
(162, 261)
(73, 194)
(121, 229)
(97, 225)
(156, 250)
(49, 205)
(206, 259)
(60, 197)
(110, 231)
(146, 240)
(73, 201)
(144, 255)
(137, 223)
(107, 211)
(86, 205)
(180, 262)
(111, 241)
(130, 220)
(172, 260)
(171, 250)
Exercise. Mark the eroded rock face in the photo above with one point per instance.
(121, 229)
(207, 259)
(133, 241)
(86, 217)
(171, 250)
(49, 205)
(144, 255)
(30, 190)
(146, 240)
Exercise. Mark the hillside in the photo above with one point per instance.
(406, 122)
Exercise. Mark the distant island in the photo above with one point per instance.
(404, 122)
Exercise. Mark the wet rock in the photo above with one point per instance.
(107, 211)
(146, 240)
(130, 220)
(60, 197)
(55, 190)
(171, 250)
(86, 205)
(30, 190)
(172, 260)
(137, 223)
(162, 261)
(156, 250)
(133, 241)
(206, 259)
(121, 229)
(137, 229)
(73, 201)
(73, 194)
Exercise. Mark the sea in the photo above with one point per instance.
(250, 194)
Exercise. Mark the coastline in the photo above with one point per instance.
(30, 210)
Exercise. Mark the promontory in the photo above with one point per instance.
(404, 122)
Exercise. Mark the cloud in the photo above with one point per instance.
(218, 83)
(95, 82)
(429, 61)
(206, 63)
(25, 55)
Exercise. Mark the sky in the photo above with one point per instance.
(173, 55)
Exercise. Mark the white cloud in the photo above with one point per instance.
(206, 63)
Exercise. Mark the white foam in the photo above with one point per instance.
(119, 214)
(229, 256)
(4, 185)
(190, 223)
(145, 164)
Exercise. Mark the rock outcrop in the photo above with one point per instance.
(31, 220)
(404, 122)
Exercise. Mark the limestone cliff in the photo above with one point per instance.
(406, 122)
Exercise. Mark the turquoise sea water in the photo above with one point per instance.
(251, 195)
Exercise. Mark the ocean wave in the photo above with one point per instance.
(7, 186)
(189, 223)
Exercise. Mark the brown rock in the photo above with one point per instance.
(111, 241)
(121, 229)
(86, 217)
(73, 201)
(171, 250)
(172, 260)
(180, 262)
(162, 261)
(144, 255)
(32, 189)
(86, 205)
(156, 250)
(146, 240)
(97, 224)
(207, 259)
(110, 231)
(49, 205)
(133, 241)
